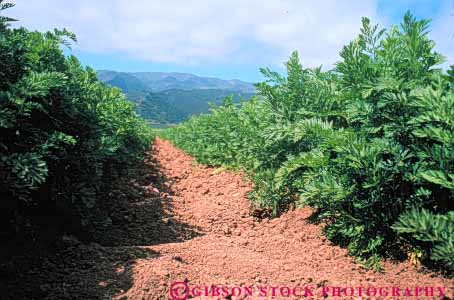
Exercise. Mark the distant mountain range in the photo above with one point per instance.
(160, 81)
(169, 98)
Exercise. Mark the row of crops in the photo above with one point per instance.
(65, 138)
(368, 144)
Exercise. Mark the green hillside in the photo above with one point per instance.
(127, 83)
(155, 108)
(191, 102)
(174, 106)
(169, 98)
(160, 81)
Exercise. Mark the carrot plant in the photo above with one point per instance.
(65, 137)
(369, 144)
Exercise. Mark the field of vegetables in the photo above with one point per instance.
(369, 144)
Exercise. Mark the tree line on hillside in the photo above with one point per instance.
(170, 107)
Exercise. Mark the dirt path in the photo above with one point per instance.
(231, 248)
(182, 222)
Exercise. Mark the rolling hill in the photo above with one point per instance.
(170, 98)
(160, 81)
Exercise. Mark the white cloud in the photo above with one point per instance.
(203, 31)
(442, 31)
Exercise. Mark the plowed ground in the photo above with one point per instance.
(196, 227)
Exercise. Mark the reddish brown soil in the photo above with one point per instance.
(235, 249)
(191, 223)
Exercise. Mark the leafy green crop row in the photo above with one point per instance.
(369, 144)
(65, 137)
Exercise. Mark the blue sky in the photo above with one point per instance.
(223, 38)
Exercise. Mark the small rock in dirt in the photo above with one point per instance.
(177, 258)
(244, 243)
(288, 267)
(226, 230)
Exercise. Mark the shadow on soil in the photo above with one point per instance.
(139, 214)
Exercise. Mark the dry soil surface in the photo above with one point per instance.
(190, 224)
(233, 249)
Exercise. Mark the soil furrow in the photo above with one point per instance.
(232, 248)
